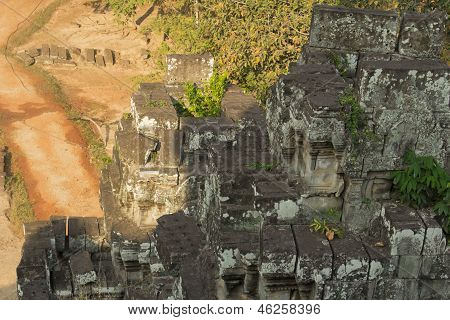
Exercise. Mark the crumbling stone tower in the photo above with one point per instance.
(220, 207)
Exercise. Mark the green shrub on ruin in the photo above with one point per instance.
(206, 101)
(424, 183)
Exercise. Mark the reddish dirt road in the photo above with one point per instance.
(46, 146)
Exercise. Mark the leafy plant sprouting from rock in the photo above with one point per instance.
(424, 183)
(340, 63)
(206, 101)
(328, 225)
(355, 121)
(262, 166)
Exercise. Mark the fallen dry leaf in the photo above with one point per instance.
(330, 235)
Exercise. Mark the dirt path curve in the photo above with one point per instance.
(47, 147)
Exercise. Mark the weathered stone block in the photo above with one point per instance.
(406, 229)
(435, 267)
(59, 229)
(63, 53)
(409, 267)
(353, 29)
(54, 51)
(76, 233)
(90, 55)
(351, 262)
(25, 58)
(45, 51)
(239, 106)
(345, 61)
(152, 110)
(422, 35)
(237, 250)
(93, 236)
(170, 148)
(345, 290)
(315, 258)
(109, 57)
(189, 68)
(382, 264)
(278, 251)
(404, 102)
(61, 283)
(82, 268)
(33, 52)
(100, 60)
(434, 289)
(435, 241)
(396, 289)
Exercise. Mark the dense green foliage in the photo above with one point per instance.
(126, 8)
(205, 101)
(252, 40)
(424, 183)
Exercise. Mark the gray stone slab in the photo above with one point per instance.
(45, 51)
(33, 52)
(25, 58)
(396, 289)
(351, 262)
(109, 57)
(59, 229)
(82, 268)
(345, 290)
(90, 55)
(54, 51)
(100, 60)
(279, 253)
(409, 267)
(406, 229)
(353, 29)
(435, 241)
(422, 35)
(435, 267)
(63, 53)
(434, 289)
(189, 68)
(315, 258)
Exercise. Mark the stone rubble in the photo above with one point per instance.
(220, 207)
(51, 54)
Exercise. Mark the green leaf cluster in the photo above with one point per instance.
(340, 63)
(355, 121)
(323, 226)
(424, 183)
(206, 101)
(126, 8)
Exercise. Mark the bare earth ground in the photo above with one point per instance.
(47, 148)
(100, 93)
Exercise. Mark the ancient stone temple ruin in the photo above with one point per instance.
(221, 207)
